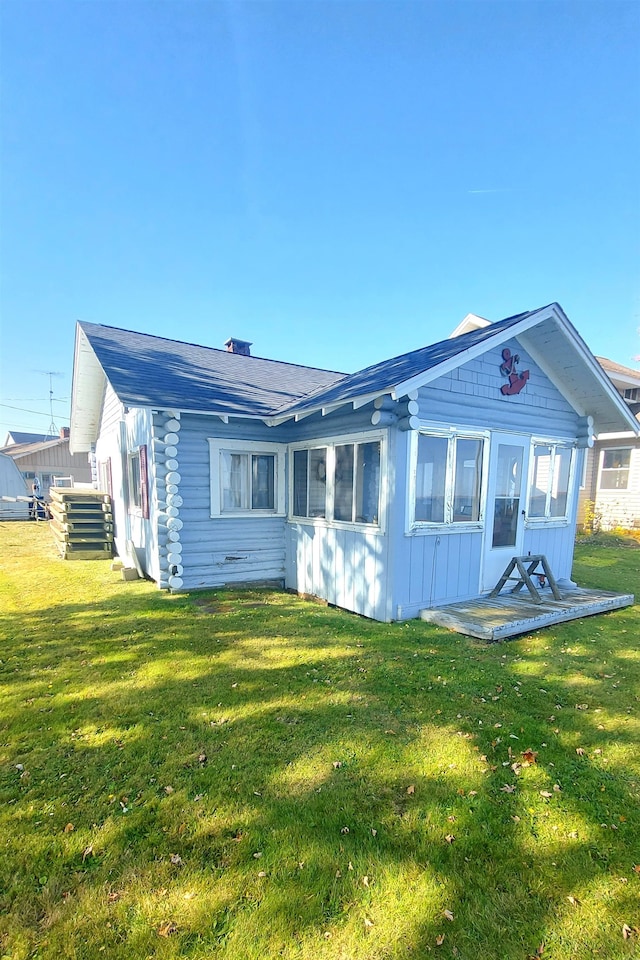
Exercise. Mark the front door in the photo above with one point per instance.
(506, 504)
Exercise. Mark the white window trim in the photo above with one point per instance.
(415, 527)
(217, 446)
(612, 491)
(330, 443)
(549, 521)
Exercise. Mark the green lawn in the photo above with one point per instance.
(253, 776)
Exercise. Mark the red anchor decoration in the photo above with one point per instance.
(508, 369)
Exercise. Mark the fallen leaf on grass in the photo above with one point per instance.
(440, 939)
(87, 852)
(368, 923)
(573, 901)
(449, 915)
(373, 832)
(557, 788)
(176, 860)
(167, 928)
(69, 827)
(628, 932)
(168, 789)
(344, 830)
(449, 838)
(114, 897)
(545, 794)
(337, 764)
(509, 788)
(365, 881)
(529, 757)
(580, 751)
(636, 867)
(411, 789)
(262, 873)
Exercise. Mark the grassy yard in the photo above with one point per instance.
(249, 775)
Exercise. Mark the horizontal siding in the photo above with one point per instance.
(227, 550)
(471, 395)
(615, 508)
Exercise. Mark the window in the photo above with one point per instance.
(310, 482)
(338, 481)
(135, 497)
(614, 468)
(550, 481)
(448, 477)
(246, 478)
(633, 393)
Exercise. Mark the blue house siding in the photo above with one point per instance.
(222, 550)
(437, 566)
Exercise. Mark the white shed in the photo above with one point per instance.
(11, 488)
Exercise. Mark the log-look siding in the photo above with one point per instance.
(222, 550)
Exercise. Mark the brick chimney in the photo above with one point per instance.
(242, 347)
(64, 433)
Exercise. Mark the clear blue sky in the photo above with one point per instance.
(336, 182)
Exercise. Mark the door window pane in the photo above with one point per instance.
(343, 488)
(506, 507)
(468, 479)
(431, 478)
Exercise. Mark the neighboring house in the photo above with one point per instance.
(610, 493)
(19, 436)
(46, 459)
(14, 504)
(403, 486)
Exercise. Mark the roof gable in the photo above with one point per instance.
(145, 370)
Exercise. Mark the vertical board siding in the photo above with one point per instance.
(112, 411)
(345, 567)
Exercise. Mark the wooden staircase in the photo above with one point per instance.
(81, 523)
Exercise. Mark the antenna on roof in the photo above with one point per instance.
(52, 429)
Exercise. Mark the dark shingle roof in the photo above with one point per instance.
(387, 374)
(145, 370)
(150, 371)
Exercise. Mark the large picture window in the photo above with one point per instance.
(614, 468)
(246, 478)
(338, 481)
(551, 469)
(448, 477)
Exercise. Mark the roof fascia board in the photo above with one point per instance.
(421, 379)
(624, 379)
(574, 338)
(35, 450)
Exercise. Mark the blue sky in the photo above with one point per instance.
(336, 182)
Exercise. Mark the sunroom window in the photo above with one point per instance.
(448, 479)
(550, 480)
(338, 481)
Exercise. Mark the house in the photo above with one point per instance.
(46, 459)
(610, 491)
(400, 487)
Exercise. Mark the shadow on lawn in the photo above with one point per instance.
(131, 692)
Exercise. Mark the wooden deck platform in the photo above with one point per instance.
(508, 615)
